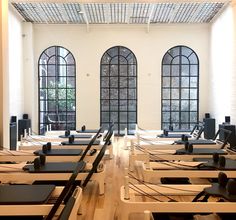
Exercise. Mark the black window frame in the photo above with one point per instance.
(61, 90)
(119, 125)
(179, 89)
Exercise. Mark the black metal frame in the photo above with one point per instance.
(57, 125)
(116, 79)
(164, 123)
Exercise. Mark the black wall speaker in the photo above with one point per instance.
(13, 135)
(227, 119)
(25, 116)
(209, 128)
(207, 115)
(22, 125)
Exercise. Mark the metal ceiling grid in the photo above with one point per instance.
(118, 13)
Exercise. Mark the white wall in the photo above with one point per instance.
(222, 77)
(16, 85)
(149, 48)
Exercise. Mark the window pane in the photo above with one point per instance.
(193, 117)
(185, 70)
(175, 81)
(132, 105)
(193, 105)
(166, 93)
(175, 116)
(175, 105)
(123, 105)
(184, 105)
(105, 105)
(175, 70)
(132, 82)
(114, 82)
(165, 105)
(105, 70)
(70, 70)
(166, 82)
(113, 94)
(166, 70)
(105, 94)
(123, 117)
(194, 70)
(175, 93)
(114, 70)
(132, 94)
(193, 82)
(193, 59)
(123, 70)
(184, 117)
(105, 117)
(105, 81)
(114, 105)
(184, 81)
(132, 116)
(185, 93)
(167, 59)
(166, 116)
(193, 93)
(186, 51)
(123, 93)
(132, 70)
(123, 82)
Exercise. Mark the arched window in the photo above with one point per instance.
(118, 86)
(180, 88)
(57, 99)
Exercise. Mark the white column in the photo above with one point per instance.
(4, 82)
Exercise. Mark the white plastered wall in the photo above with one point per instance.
(16, 85)
(222, 76)
(149, 48)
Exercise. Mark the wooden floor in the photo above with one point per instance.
(105, 207)
(95, 207)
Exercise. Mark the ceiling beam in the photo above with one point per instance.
(119, 1)
(85, 16)
(150, 17)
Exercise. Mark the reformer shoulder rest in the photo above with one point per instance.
(225, 188)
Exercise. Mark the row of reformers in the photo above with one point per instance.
(74, 139)
(172, 172)
(34, 193)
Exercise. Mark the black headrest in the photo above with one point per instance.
(67, 133)
(83, 128)
(71, 139)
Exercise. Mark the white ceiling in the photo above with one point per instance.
(118, 13)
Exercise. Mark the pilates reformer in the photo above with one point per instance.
(37, 200)
(198, 168)
(54, 155)
(71, 144)
(164, 198)
(144, 137)
(54, 171)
